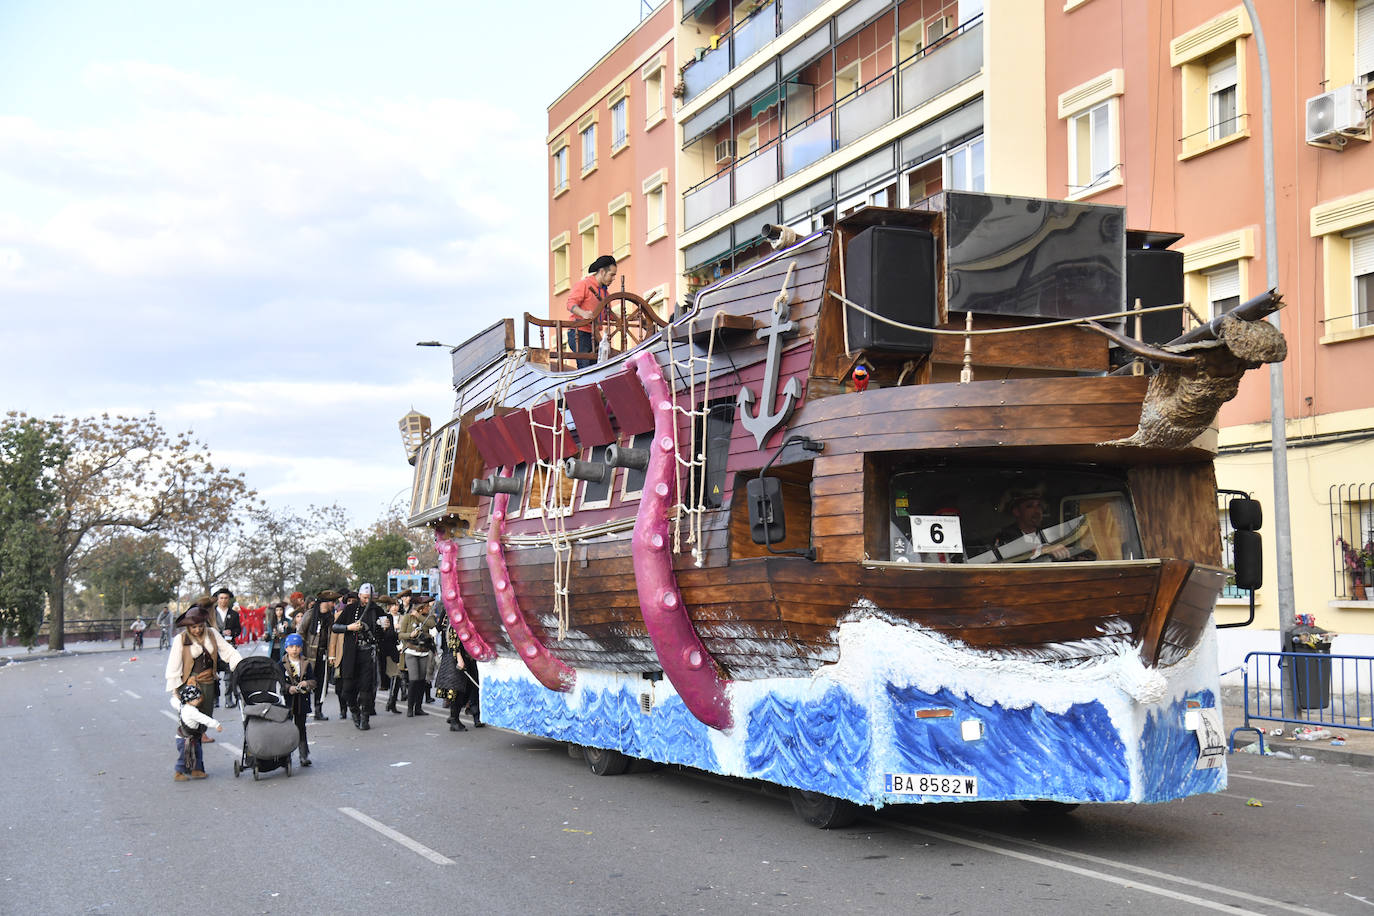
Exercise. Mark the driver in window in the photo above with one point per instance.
(1027, 509)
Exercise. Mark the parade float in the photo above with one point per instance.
(788, 534)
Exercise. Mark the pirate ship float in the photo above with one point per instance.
(719, 547)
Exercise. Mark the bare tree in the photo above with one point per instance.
(127, 472)
(273, 550)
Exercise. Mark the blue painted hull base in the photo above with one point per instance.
(1103, 737)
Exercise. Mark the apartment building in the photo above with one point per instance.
(794, 111)
(1157, 106)
(611, 162)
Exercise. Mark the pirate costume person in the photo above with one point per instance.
(300, 681)
(358, 656)
(195, 654)
(227, 621)
(419, 651)
(313, 626)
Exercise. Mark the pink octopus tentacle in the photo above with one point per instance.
(689, 667)
(477, 647)
(547, 669)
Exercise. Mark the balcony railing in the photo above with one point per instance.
(924, 76)
(734, 48)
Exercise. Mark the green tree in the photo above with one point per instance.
(374, 557)
(133, 570)
(30, 452)
(321, 571)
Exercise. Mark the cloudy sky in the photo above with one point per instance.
(243, 215)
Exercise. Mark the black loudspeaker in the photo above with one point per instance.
(890, 270)
(1155, 277)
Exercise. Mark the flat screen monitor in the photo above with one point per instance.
(1033, 258)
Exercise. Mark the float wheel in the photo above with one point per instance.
(824, 811)
(604, 762)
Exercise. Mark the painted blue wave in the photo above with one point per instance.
(1169, 755)
(669, 733)
(820, 745)
(1024, 753)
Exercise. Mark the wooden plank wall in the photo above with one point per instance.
(1176, 510)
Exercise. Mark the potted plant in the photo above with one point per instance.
(1360, 563)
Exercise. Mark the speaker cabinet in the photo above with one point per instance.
(1155, 277)
(890, 270)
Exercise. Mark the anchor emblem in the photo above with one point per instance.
(763, 423)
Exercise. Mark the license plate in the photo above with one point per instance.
(931, 784)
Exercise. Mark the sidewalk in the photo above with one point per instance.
(11, 654)
(1358, 750)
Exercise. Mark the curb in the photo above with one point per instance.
(1327, 755)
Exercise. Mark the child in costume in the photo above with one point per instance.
(191, 724)
(300, 681)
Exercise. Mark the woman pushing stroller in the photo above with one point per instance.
(193, 660)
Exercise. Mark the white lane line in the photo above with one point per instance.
(395, 836)
(1277, 782)
(110, 681)
(1074, 869)
(134, 695)
(1163, 876)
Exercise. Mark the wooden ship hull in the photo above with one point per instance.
(648, 600)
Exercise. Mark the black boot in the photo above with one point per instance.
(477, 719)
(357, 719)
(364, 726)
(455, 726)
(420, 690)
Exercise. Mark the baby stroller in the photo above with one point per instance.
(269, 735)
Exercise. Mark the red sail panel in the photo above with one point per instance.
(589, 416)
(488, 443)
(514, 428)
(551, 432)
(628, 402)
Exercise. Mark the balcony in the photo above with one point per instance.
(732, 50)
(925, 76)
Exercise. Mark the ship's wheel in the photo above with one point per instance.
(640, 318)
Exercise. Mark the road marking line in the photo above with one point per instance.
(1138, 869)
(1074, 869)
(110, 681)
(398, 837)
(1277, 782)
(134, 695)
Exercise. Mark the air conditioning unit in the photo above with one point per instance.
(725, 151)
(937, 27)
(1336, 116)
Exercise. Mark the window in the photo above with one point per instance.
(560, 170)
(1211, 60)
(634, 478)
(1221, 96)
(909, 41)
(846, 81)
(652, 74)
(1215, 271)
(618, 121)
(597, 494)
(1364, 41)
(1346, 228)
(517, 500)
(586, 234)
(1006, 515)
(1223, 289)
(1090, 145)
(1362, 267)
(714, 430)
(966, 166)
(1352, 539)
(1228, 547)
(656, 205)
(551, 492)
(588, 148)
(620, 226)
(562, 263)
(1092, 112)
(746, 142)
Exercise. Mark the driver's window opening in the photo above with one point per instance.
(1006, 515)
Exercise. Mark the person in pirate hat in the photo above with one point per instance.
(312, 624)
(226, 620)
(195, 654)
(191, 726)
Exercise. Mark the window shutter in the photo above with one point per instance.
(1364, 38)
(1221, 75)
(1223, 283)
(1362, 254)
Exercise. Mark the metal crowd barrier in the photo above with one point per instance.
(1307, 688)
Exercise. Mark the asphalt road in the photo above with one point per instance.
(411, 817)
